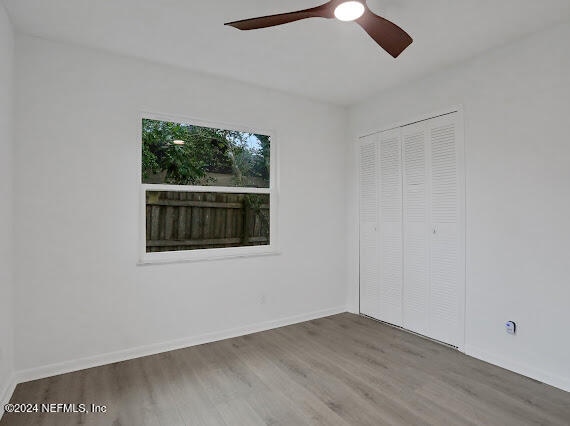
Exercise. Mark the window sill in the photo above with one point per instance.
(206, 255)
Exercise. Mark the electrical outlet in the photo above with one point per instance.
(511, 327)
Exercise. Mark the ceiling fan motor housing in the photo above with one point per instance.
(335, 3)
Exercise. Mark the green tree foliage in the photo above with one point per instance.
(205, 150)
(261, 164)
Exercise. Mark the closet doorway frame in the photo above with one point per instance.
(458, 109)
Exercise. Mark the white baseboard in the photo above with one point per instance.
(6, 392)
(509, 364)
(127, 354)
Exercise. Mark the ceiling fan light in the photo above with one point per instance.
(349, 11)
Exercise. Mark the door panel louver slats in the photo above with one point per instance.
(368, 183)
(444, 298)
(416, 266)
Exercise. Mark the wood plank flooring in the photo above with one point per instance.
(340, 370)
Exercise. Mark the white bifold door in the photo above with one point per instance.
(368, 217)
(412, 256)
(390, 226)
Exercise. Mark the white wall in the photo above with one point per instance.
(517, 106)
(79, 291)
(6, 204)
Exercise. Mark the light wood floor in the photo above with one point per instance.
(340, 370)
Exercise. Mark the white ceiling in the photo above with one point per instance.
(323, 59)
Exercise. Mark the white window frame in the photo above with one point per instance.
(210, 253)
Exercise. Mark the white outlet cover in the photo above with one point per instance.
(510, 327)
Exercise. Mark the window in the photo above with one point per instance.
(207, 191)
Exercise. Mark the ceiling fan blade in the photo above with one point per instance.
(323, 11)
(388, 35)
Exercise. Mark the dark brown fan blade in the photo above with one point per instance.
(388, 35)
(323, 11)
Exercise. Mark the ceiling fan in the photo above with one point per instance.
(388, 35)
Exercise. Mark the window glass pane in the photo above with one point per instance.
(184, 154)
(178, 221)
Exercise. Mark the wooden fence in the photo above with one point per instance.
(196, 220)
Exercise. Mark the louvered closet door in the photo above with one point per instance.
(390, 227)
(447, 255)
(368, 194)
(415, 160)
